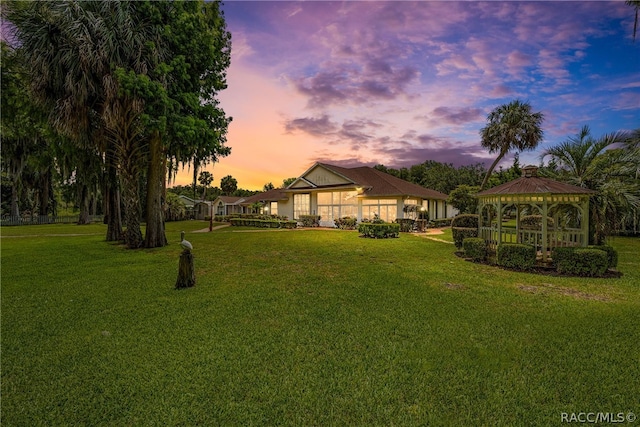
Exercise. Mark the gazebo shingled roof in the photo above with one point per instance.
(544, 194)
(531, 183)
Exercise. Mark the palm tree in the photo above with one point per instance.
(598, 165)
(636, 5)
(511, 126)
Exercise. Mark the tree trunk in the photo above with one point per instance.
(15, 208)
(113, 215)
(133, 234)
(155, 234)
(186, 271)
(83, 197)
(490, 171)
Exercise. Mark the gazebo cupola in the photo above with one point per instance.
(547, 213)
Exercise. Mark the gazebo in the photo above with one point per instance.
(547, 213)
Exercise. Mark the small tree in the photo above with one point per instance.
(228, 185)
(205, 179)
(462, 198)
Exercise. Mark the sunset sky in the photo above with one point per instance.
(398, 83)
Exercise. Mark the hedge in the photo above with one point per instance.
(612, 254)
(475, 248)
(516, 255)
(463, 227)
(406, 224)
(262, 223)
(379, 231)
(465, 221)
(310, 220)
(561, 253)
(346, 223)
(583, 262)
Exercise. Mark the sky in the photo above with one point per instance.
(398, 83)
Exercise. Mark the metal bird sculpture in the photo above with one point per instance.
(186, 245)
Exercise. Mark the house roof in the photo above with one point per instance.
(531, 183)
(274, 195)
(230, 200)
(379, 184)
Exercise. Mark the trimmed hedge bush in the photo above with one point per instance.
(475, 248)
(534, 222)
(379, 231)
(439, 223)
(583, 262)
(517, 256)
(459, 234)
(310, 220)
(406, 224)
(612, 254)
(464, 226)
(346, 223)
(465, 221)
(562, 254)
(262, 223)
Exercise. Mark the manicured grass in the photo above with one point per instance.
(306, 328)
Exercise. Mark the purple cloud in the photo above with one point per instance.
(320, 126)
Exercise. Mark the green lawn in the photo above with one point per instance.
(305, 328)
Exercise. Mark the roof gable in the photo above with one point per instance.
(321, 175)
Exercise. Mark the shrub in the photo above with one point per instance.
(459, 234)
(406, 224)
(463, 227)
(465, 221)
(583, 262)
(439, 223)
(310, 220)
(346, 223)
(262, 223)
(517, 256)
(475, 248)
(379, 231)
(612, 254)
(559, 254)
(534, 222)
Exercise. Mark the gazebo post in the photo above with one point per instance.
(585, 221)
(518, 237)
(499, 220)
(544, 228)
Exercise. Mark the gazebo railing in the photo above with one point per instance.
(556, 238)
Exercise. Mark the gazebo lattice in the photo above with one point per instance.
(531, 193)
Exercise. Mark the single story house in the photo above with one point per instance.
(202, 209)
(269, 201)
(335, 192)
(228, 205)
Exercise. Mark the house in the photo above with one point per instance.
(335, 192)
(202, 209)
(189, 205)
(228, 205)
(268, 201)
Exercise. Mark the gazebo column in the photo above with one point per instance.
(545, 231)
(518, 237)
(499, 220)
(585, 221)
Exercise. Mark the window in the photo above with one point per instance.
(337, 204)
(301, 205)
(273, 208)
(387, 209)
